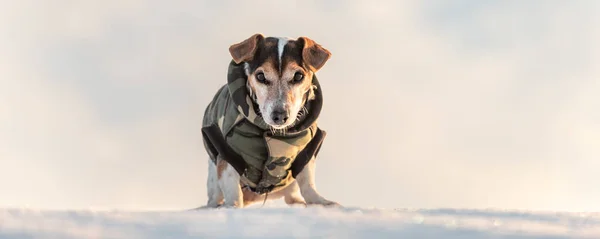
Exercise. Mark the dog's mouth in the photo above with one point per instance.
(279, 120)
(280, 124)
(279, 127)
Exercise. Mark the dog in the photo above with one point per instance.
(260, 129)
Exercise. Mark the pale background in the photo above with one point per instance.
(465, 104)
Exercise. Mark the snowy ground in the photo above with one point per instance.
(298, 223)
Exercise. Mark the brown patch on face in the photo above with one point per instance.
(268, 67)
(296, 91)
(264, 91)
(221, 166)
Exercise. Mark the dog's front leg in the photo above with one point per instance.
(229, 182)
(306, 181)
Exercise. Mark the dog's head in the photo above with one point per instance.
(279, 73)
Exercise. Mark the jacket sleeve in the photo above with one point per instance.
(217, 146)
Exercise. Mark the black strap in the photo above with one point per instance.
(218, 146)
(312, 149)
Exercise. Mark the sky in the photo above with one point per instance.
(427, 104)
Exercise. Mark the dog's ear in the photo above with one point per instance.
(245, 50)
(313, 54)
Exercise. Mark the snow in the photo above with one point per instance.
(314, 222)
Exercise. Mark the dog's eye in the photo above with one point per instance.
(260, 77)
(298, 77)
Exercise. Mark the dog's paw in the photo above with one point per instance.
(332, 205)
(205, 207)
(229, 207)
(327, 204)
(298, 205)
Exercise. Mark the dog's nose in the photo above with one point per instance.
(280, 116)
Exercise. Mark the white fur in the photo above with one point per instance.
(247, 68)
(300, 192)
(308, 189)
(230, 186)
(281, 42)
(215, 196)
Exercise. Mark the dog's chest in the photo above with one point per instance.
(269, 156)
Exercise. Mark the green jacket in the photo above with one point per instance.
(266, 160)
